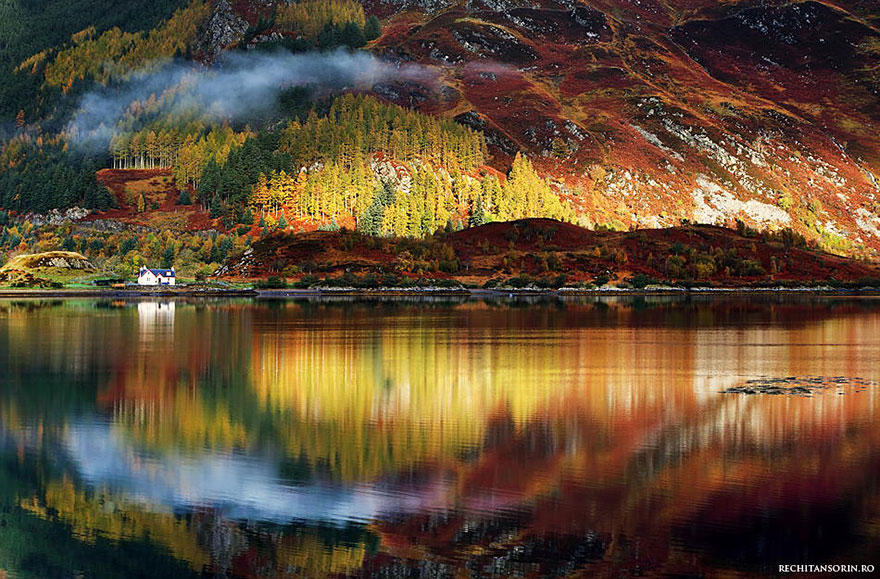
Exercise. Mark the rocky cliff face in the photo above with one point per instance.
(223, 28)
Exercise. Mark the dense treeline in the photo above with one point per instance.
(328, 23)
(326, 193)
(116, 53)
(349, 134)
(309, 17)
(28, 27)
(436, 186)
(437, 198)
(226, 188)
(40, 176)
(424, 200)
(319, 170)
(380, 168)
(358, 126)
(524, 194)
(186, 149)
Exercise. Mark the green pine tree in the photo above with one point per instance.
(216, 207)
(478, 213)
(329, 36)
(168, 257)
(210, 181)
(352, 36)
(371, 221)
(372, 29)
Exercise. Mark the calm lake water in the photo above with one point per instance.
(437, 437)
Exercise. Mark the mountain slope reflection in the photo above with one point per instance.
(252, 438)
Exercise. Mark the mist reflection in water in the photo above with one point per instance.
(264, 438)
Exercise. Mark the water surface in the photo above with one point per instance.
(437, 437)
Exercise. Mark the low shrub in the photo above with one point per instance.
(520, 281)
(272, 282)
(640, 281)
(307, 281)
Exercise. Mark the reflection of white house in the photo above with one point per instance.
(156, 318)
(153, 313)
(148, 276)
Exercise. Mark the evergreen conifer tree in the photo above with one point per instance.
(329, 36)
(216, 207)
(478, 213)
(352, 36)
(209, 182)
(372, 219)
(372, 29)
(168, 257)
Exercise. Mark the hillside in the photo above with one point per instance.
(612, 114)
(150, 198)
(649, 112)
(549, 253)
(46, 269)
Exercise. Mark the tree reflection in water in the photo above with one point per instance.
(352, 437)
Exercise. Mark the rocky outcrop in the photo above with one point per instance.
(222, 29)
(50, 259)
(57, 217)
(39, 270)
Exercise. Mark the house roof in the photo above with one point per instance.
(160, 272)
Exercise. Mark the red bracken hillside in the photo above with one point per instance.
(651, 111)
(647, 112)
(149, 197)
(542, 249)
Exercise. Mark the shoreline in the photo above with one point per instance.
(183, 292)
(123, 293)
(564, 292)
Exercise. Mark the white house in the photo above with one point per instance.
(148, 276)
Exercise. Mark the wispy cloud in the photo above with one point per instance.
(238, 86)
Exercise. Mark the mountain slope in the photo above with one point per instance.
(643, 113)
(28, 27)
(661, 111)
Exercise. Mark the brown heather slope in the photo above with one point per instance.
(645, 113)
(651, 111)
(160, 193)
(543, 250)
